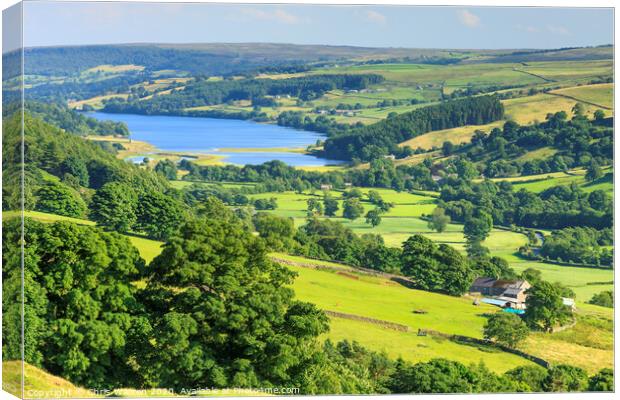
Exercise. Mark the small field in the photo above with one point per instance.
(601, 94)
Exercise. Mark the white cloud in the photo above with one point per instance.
(469, 19)
(528, 28)
(558, 30)
(277, 15)
(376, 17)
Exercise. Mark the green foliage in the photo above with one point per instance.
(84, 322)
(477, 228)
(167, 168)
(579, 245)
(114, 207)
(566, 378)
(532, 377)
(438, 221)
(373, 217)
(435, 376)
(603, 381)
(436, 268)
(544, 306)
(593, 172)
(506, 329)
(315, 208)
(278, 232)
(158, 215)
(352, 208)
(373, 141)
(330, 205)
(603, 299)
(57, 198)
(235, 323)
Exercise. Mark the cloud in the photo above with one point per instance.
(469, 19)
(527, 28)
(558, 30)
(277, 15)
(374, 16)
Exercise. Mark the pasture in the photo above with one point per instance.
(602, 94)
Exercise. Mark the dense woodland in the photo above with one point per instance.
(382, 138)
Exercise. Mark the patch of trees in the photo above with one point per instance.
(603, 299)
(557, 207)
(61, 167)
(382, 138)
(579, 142)
(579, 245)
(202, 92)
(277, 176)
(69, 120)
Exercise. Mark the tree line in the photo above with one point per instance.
(202, 92)
(382, 138)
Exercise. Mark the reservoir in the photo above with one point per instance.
(216, 136)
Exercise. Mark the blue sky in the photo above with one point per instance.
(57, 23)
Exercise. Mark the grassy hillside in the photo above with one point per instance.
(350, 292)
(38, 383)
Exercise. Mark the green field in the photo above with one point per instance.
(382, 299)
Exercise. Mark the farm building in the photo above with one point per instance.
(326, 187)
(510, 292)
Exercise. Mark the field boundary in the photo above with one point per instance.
(581, 101)
(385, 324)
(471, 340)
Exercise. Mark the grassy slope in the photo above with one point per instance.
(38, 383)
(382, 299)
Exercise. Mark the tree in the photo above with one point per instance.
(593, 172)
(566, 378)
(314, 207)
(278, 232)
(84, 321)
(373, 217)
(158, 215)
(114, 207)
(532, 376)
(447, 148)
(477, 228)
(435, 376)
(227, 316)
(167, 168)
(437, 268)
(602, 381)
(506, 329)
(578, 110)
(544, 306)
(76, 167)
(438, 220)
(599, 115)
(603, 299)
(330, 205)
(352, 209)
(56, 198)
(374, 197)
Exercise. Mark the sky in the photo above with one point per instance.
(58, 23)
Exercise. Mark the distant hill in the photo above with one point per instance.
(228, 58)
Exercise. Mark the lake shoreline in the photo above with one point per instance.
(214, 140)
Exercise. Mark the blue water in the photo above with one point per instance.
(208, 135)
(513, 311)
